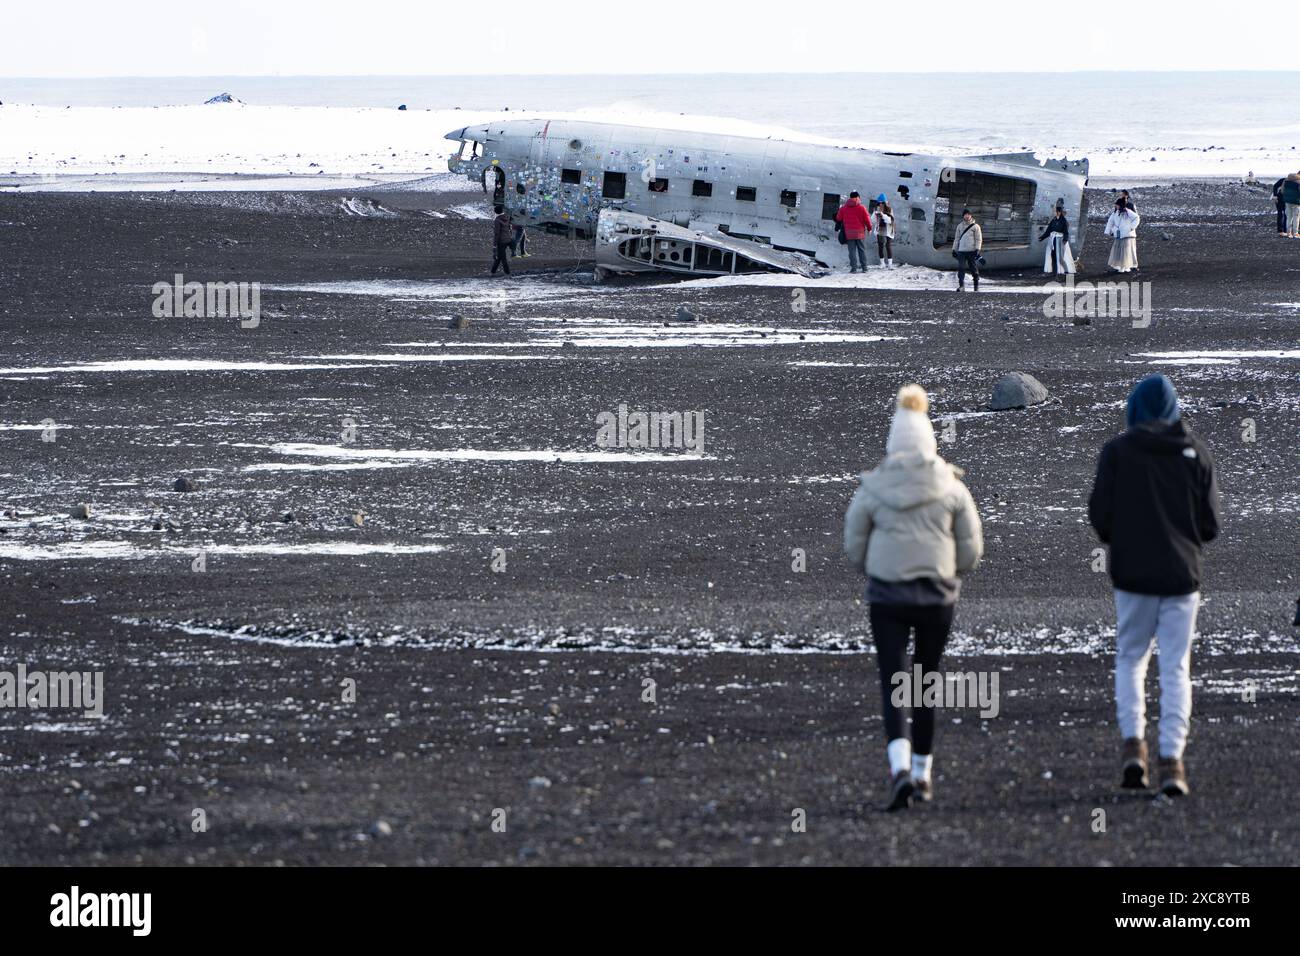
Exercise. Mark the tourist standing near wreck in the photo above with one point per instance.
(855, 219)
(884, 217)
(1057, 259)
(967, 244)
(1122, 226)
(911, 528)
(1155, 502)
(1291, 198)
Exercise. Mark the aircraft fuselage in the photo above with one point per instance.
(559, 174)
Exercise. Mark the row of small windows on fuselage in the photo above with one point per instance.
(615, 187)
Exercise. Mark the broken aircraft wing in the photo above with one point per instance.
(629, 242)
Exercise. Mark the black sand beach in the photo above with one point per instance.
(523, 688)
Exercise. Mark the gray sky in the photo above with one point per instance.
(247, 37)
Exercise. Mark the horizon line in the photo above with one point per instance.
(275, 76)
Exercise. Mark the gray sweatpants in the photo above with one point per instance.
(1171, 622)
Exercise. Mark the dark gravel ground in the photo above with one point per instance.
(225, 689)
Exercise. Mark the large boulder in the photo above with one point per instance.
(1017, 390)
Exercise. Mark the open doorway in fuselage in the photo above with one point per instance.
(494, 181)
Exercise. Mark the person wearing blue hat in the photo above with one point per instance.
(884, 217)
(1155, 502)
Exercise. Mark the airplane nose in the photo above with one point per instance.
(457, 133)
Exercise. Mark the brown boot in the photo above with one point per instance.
(1173, 777)
(1134, 763)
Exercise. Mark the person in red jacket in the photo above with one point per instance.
(856, 222)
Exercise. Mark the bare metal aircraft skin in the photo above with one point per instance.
(701, 204)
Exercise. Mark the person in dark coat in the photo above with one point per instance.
(503, 233)
(1155, 502)
(1280, 203)
(1291, 198)
(1057, 260)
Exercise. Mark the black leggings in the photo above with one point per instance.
(885, 247)
(890, 627)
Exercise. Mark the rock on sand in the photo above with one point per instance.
(1017, 390)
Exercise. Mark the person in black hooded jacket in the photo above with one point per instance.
(1155, 502)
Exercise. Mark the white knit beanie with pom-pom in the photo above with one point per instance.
(911, 431)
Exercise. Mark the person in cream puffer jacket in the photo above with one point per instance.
(912, 518)
(911, 528)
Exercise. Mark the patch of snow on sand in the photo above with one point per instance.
(468, 291)
(471, 211)
(177, 365)
(474, 454)
(437, 357)
(602, 333)
(902, 278)
(1096, 640)
(331, 466)
(833, 364)
(1221, 355)
(84, 550)
(173, 182)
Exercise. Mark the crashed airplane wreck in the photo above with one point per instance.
(710, 204)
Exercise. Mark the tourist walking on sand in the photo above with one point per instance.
(855, 219)
(1291, 197)
(1122, 225)
(967, 244)
(911, 528)
(884, 217)
(502, 232)
(1155, 502)
(1057, 259)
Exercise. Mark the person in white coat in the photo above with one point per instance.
(884, 217)
(1122, 227)
(912, 529)
(1057, 258)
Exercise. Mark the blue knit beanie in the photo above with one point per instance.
(1153, 399)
